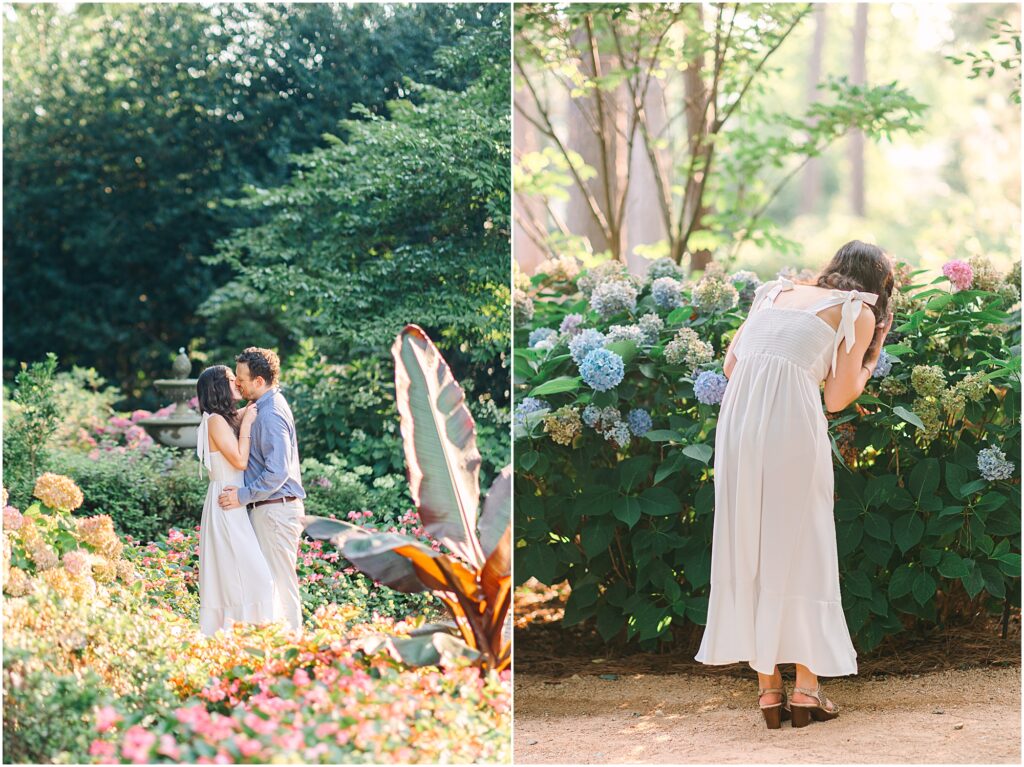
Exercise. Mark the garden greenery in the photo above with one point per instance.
(615, 428)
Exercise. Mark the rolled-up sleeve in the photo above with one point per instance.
(275, 446)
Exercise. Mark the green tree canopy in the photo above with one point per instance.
(127, 126)
(400, 219)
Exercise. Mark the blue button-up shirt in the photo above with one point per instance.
(273, 469)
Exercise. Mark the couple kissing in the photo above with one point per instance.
(252, 516)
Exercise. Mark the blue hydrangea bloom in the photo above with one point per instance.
(602, 370)
(610, 298)
(571, 324)
(993, 465)
(632, 333)
(667, 292)
(884, 366)
(710, 387)
(584, 342)
(591, 415)
(540, 334)
(527, 406)
(618, 433)
(639, 421)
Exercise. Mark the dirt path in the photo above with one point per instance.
(956, 716)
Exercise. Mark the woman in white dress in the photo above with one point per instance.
(235, 584)
(774, 565)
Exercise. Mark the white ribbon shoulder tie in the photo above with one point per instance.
(203, 444)
(770, 290)
(853, 300)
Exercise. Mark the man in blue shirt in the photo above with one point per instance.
(273, 490)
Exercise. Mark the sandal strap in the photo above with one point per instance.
(817, 695)
(766, 690)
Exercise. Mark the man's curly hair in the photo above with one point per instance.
(261, 363)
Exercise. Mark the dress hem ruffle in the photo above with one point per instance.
(212, 619)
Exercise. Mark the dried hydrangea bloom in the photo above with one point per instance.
(563, 268)
(17, 583)
(974, 386)
(686, 348)
(522, 307)
(930, 414)
(928, 380)
(563, 425)
(58, 492)
(715, 295)
(892, 387)
(986, 276)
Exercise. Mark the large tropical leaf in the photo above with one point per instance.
(373, 557)
(434, 649)
(439, 437)
(497, 512)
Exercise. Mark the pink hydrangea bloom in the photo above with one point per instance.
(959, 273)
(12, 518)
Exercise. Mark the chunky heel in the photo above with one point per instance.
(775, 713)
(801, 716)
(773, 717)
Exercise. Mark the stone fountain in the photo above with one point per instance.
(179, 428)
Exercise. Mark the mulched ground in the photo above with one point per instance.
(544, 648)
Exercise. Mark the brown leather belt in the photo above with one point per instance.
(287, 499)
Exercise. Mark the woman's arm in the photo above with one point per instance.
(730, 356)
(853, 368)
(235, 450)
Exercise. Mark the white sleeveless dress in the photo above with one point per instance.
(774, 563)
(235, 584)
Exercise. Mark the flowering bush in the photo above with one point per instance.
(927, 486)
(103, 661)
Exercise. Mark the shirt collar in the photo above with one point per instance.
(267, 394)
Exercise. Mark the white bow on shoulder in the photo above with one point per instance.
(853, 300)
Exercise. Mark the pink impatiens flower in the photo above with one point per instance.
(137, 744)
(959, 273)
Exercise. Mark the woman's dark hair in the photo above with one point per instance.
(215, 396)
(261, 362)
(860, 266)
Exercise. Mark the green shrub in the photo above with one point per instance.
(145, 493)
(348, 410)
(923, 537)
(30, 420)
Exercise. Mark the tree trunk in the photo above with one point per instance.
(810, 192)
(858, 76)
(696, 94)
(644, 222)
(598, 154)
(527, 253)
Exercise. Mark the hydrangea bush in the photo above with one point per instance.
(926, 460)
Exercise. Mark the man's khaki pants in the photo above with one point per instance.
(278, 528)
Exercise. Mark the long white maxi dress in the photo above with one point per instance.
(235, 584)
(774, 563)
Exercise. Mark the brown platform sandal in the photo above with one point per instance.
(774, 713)
(803, 713)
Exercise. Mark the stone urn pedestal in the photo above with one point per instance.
(180, 427)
